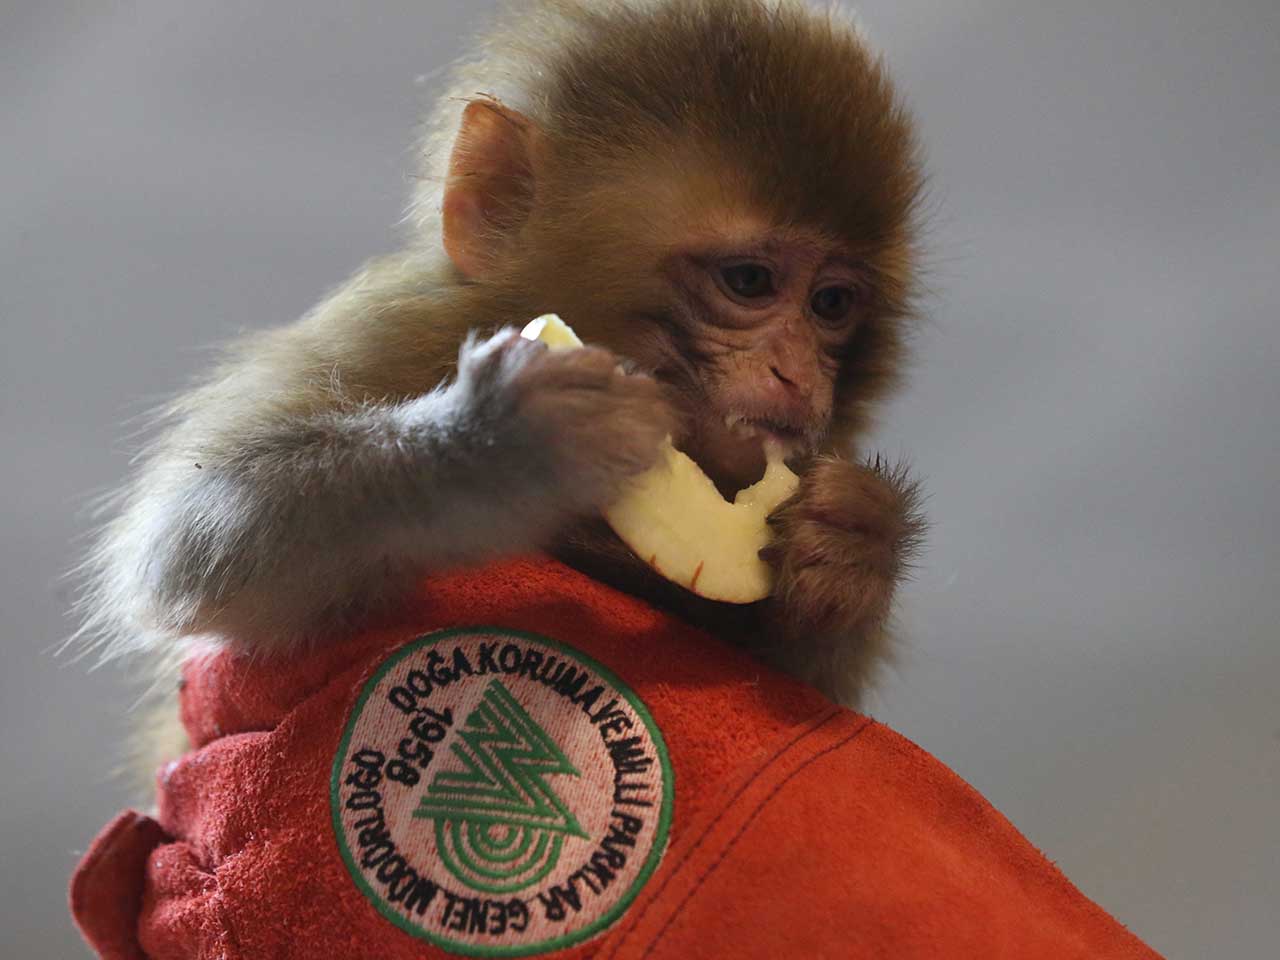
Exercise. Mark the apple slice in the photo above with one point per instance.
(676, 521)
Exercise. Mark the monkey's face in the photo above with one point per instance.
(764, 333)
(754, 346)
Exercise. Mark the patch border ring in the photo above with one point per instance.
(597, 926)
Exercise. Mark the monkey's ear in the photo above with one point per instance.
(490, 187)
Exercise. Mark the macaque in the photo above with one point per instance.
(720, 197)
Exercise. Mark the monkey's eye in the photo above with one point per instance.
(750, 281)
(832, 305)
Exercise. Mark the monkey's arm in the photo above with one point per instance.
(275, 530)
(842, 545)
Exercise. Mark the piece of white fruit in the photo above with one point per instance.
(674, 518)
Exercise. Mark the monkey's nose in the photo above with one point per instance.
(784, 397)
(791, 385)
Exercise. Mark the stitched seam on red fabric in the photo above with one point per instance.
(715, 864)
(769, 761)
(225, 917)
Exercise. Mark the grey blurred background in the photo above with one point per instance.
(1094, 410)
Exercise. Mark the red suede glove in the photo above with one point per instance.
(533, 763)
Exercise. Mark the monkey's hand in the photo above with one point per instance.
(580, 426)
(840, 547)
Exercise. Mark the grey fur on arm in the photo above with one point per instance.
(271, 531)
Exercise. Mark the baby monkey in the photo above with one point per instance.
(719, 196)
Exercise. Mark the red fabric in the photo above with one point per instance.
(799, 829)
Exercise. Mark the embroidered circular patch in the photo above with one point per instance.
(499, 793)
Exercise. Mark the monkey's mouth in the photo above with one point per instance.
(731, 448)
(792, 439)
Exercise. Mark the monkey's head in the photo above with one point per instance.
(722, 191)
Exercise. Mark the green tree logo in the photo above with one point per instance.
(499, 825)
